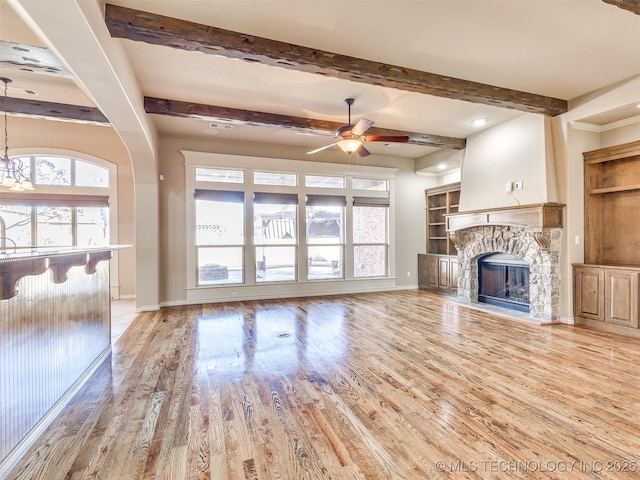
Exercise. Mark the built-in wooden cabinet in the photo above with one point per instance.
(438, 272)
(606, 286)
(438, 269)
(606, 294)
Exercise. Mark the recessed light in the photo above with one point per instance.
(479, 122)
(442, 166)
(638, 105)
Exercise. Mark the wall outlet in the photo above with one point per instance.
(517, 185)
(577, 239)
(508, 187)
(234, 294)
(408, 274)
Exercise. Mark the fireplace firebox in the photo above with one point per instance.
(503, 280)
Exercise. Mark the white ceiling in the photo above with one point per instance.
(557, 48)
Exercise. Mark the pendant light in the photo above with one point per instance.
(12, 170)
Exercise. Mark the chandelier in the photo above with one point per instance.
(13, 171)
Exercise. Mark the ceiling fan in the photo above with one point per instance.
(352, 137)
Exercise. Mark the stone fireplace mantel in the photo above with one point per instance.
(531, 232)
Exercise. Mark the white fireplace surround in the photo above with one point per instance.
(531, 232)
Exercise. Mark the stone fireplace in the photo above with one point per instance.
(531, 233)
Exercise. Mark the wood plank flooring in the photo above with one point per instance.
(402, 385)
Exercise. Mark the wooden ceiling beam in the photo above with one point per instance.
(16, 56)
(630, 5)
(175, 108)
(171, 32)
(52, 111)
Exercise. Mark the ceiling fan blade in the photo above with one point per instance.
(361, 127)
(322, 148)
(363, 152)
(387, 138)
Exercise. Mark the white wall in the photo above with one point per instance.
(516, 150)
(618, 136)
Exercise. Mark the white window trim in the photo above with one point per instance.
(302, 287)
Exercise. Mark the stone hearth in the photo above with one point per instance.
(531, 232)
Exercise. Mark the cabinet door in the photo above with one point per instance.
(422, 270)
(453, 274)
(443, 273)
(432, 271)
(621, 297)
(588, 293)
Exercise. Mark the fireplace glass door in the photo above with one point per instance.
(503, 280)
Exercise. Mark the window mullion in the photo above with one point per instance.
(249, 244)
(347, 241)
(74, 226)
(34, 227)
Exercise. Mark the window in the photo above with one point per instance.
(369, 184)
(275, 178)
(54, 226)
(325, 236)
(55, 220)
(263, 227)
(219, 236)
(17, 219)
(64, 171)
(92, 226)
(370, 237)
(320, 181)
(90, 175)
(275, 236)
(53, 171)
(219, 175)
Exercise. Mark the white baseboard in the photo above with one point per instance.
(568, 320)
(148, 308)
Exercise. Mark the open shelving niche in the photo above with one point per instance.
(440, 202)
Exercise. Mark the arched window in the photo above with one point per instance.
(70, 205)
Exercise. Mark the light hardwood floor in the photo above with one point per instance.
(123, 312)
(403, 385)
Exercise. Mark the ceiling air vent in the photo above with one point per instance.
(220, 126)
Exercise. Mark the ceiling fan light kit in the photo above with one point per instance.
(350, 145)
(353, 138)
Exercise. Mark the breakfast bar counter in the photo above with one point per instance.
(55, 330)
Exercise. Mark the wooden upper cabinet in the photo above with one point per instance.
(611, 205)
